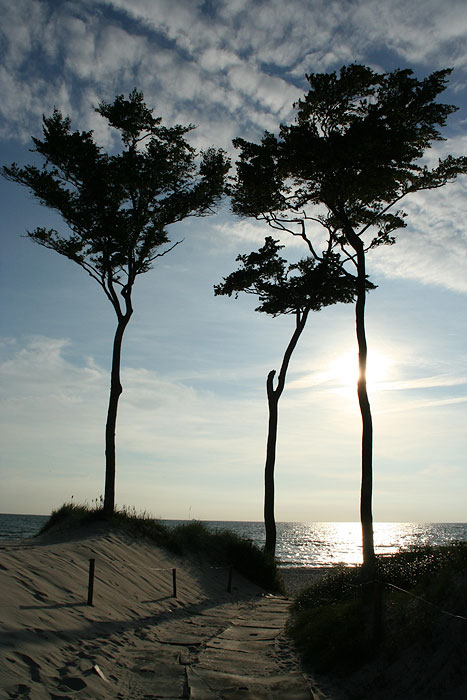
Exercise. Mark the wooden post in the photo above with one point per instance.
(229, 581)
(92, 563)
(174, 582)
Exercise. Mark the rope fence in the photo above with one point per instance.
(92, 569)
(92, 566)
(377, 582)
(427, 602)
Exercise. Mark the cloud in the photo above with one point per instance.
(177, 442)
(327, 382)
(231, 68)
(422, 383)
(433, 247)
(56, 410)
(417, 32)
(272, 93)
(232, 71)
(411, 406)
(440, 470)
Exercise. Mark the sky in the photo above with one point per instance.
(192, 419)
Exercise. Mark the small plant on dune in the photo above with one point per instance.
(224, 548)
(70, 513)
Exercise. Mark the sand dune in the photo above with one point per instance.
(136, 640)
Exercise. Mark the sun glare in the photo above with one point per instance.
(344, 369)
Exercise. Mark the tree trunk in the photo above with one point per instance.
(366, 514)
(269, 491)
(366, 494)
(115, 391)
(273, 406)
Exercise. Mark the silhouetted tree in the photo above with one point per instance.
(284, 288)
(117, 207)
(353, 152)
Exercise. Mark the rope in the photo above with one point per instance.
(427, 602)
(413, 595)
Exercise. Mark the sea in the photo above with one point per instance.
(307, 545)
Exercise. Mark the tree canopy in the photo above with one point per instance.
(355, 150)
(289, 288)
(117, 206)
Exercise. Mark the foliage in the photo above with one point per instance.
(415, 566)
(330, 619)
(117, 206)
(284, 288)
(223, 547)
(355, 147)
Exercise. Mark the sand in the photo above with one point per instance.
(137, 640)
(297, 578)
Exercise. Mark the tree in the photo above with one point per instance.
(283, 288)
(117, 207)
(354, 151)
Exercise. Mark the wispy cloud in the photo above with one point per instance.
(55, 409)
(433, 247)
(418, 405)
(235, 62)
(422, 383)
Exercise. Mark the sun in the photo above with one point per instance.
(344, 369)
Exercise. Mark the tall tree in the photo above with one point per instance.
(354, 152)
(284, 288)
(117, 207)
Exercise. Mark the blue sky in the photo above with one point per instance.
(192, 419)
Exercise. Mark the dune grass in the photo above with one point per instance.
(342, 622)
(194, 538)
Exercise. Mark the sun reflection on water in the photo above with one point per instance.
(329, 543)
(324, 544)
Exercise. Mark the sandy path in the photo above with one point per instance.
(137, 641)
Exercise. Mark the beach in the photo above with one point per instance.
(150, 635)
(137, 640)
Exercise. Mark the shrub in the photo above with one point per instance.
(334, 622)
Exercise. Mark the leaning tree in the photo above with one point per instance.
(286, 288)
(354, 151)
(117, 206)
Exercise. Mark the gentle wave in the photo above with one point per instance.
(298, 544)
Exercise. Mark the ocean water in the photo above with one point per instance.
(13, 526)
(298, 544)
(326, 544)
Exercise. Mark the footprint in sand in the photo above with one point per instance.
(22, 691)
(33, 667)
(71, 683)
